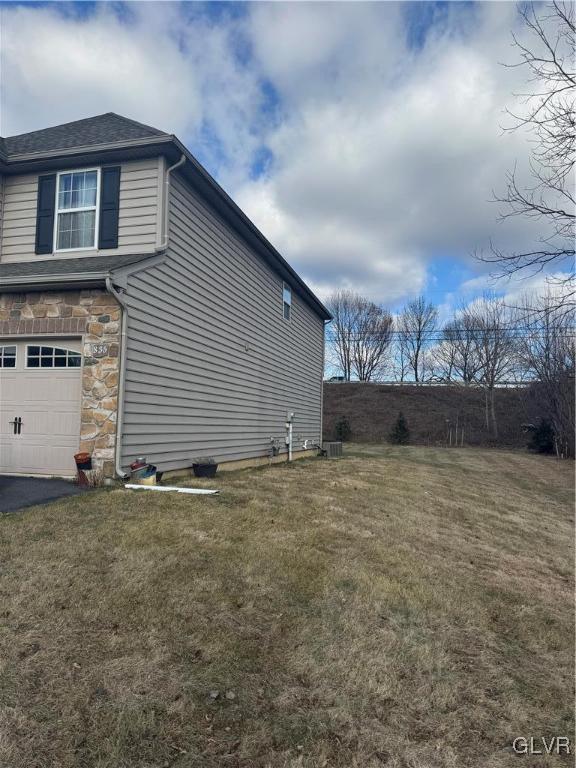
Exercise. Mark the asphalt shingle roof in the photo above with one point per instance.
(102, 129)
(64, 267)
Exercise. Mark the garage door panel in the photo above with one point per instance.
(29, 457)
(51, 425)
(37, 390)
(9, 391)
(48, 403)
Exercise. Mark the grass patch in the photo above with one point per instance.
(403, 606)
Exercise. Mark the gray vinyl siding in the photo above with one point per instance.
(140, 185)
(211, 365)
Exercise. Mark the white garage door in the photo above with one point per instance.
(40, 388)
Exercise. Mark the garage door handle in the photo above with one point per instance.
(17, 425)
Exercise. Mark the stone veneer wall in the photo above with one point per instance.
(95, 315)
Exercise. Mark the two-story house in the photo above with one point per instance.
(141, 312)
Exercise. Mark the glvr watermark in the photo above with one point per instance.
(554, 745)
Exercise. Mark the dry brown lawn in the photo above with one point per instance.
(401, 607)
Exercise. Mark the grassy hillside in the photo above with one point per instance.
(372, 410)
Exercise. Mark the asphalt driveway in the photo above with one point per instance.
(19, 492)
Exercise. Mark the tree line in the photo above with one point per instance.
(485, 344)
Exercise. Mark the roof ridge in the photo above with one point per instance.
(58, 125)
(135, 122)
(129, 120)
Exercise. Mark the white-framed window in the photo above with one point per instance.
(40, 356)
(286, 301)
(76, 214)
(8, 356)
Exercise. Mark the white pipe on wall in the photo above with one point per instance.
(169, 170)
(121, 379)
(289, 420)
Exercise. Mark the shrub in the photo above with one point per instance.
(342, 429)
(400, 434)
(542, 438)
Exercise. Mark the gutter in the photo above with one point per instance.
(14, 159)
(76, 278)
(120, 404)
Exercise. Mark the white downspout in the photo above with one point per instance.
(120, 402)
(289, 420)
(169, 170)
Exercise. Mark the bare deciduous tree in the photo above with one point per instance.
(416, 324)
(550, 117)
(457, 354)
(546, 351)
(341, 329)
(371, 340)
(444, 355)
(494, 349)
(359, 335)
(400, 358)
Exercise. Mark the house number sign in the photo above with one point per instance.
(99, 350)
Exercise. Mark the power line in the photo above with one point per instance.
(438, 336)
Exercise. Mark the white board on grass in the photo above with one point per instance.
(200, 491)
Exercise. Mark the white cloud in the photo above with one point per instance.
(384, 156)
(57, 68)
(536, 287)
(147, 63)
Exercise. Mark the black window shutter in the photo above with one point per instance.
(45, 213)
(109, 203)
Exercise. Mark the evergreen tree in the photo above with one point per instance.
(342, 429)
(400, 434)
(542, 438)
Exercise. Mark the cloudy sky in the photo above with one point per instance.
(364, 139)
